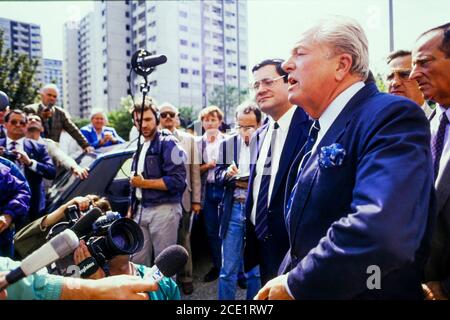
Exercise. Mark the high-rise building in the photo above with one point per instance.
(24, 38)
(53, 73)
(205, 43)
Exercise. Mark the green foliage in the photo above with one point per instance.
(81, 122)
(186, 115)
(228, 99)
(380, 82)
(17, 72)
(121, 121)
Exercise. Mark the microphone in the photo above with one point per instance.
(168, 262)
(57, 248)
(143, 63)
(84, 225)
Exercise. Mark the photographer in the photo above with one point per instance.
(121, 264)
(32, 236)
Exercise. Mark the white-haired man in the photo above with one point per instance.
(56, 119)
(358, 211)
(97, 133)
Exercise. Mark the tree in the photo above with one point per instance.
(186, 115)
(121, 119)
(17, 76)
(380, 82)
(228, 99)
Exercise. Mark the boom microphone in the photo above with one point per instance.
(84, 225)
(143, 63)
(169, 262)
(57, 248)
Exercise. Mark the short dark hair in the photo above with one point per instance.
(398, 53)
(16, 111)
(248, 107)
(272, 62)
(445, 44)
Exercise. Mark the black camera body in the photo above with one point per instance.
(109, 236)
(11, 156)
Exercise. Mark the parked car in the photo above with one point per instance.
(109, 174)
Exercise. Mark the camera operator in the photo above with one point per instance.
(44, 286)
(32, 236)
(168, 289)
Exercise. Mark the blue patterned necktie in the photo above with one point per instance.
(262, 206)
(312, 137)
(438, 144)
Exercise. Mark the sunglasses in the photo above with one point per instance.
(168, 113)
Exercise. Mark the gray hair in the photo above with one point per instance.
(50, 86)
(167, 104)
(96, 111)
(249, 106)
(344, 35)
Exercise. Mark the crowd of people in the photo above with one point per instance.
(322, 178)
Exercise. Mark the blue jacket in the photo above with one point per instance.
(164, 159)
(90, 134)
(45, 169)
(374, 209)
(14, 199)
(278, 241)
(229, 151)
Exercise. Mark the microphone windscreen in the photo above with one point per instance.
(84, 225)
(171, 260)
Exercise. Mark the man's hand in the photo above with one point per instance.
(433, 291)
(22, 157)
(81, 202)
(3, 294)
(89, 149)
(274, 290)
(5, 222)
(81, 254)
(196, 207)
(137, 181)
(232, 170)
(82, 173)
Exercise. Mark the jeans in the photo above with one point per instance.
(212, 199)
(232, 254)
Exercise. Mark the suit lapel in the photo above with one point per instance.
(310, 171)
(290, 147)
(443, 187)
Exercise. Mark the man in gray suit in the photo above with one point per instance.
(169, 118)
(431, 65)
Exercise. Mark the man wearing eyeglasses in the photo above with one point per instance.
(169, 119)
(56, 119)
(400, 64)
(31, 157)
(276, 145)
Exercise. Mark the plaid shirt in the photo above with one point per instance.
(59, 121)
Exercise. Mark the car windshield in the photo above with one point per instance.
(85, 160)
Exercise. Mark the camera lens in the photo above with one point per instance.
(125, 236)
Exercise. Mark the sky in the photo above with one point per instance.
(274, 25)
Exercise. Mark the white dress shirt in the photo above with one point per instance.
(284, 123)
(212, 153)
(19, 147)
(434, 125)
(244, 160)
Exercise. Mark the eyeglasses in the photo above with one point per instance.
(167, 113)
(267, 82)
(17, 122)
(245, 128)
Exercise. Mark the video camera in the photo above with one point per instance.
(11, 156)
(106, 235)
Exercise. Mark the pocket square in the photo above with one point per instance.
(331, 156)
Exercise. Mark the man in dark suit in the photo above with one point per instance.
(232, 172)
(360, 212)
(273, 149)
(31, 157)
(431, 65)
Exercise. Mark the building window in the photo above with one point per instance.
(128, 40)
(141, 30)
(127, 27)
(217, 10)
(105, 78)
(103, 12)
(127, 14)
(105, 91)
(128, 53)
(230, 26)
(183, 56)
(153, 83)
(152, 39)
(183, 14)
(195, 59)
(184, 70)
(185, 85)
(183, 42)
(141, 2)
(103, 39)
(152, 9)
(127, 2)
(195, 45)
(141, 16)
(183, 28)
(152, 24)
(196, 72)
(244, 68)
(128, 66)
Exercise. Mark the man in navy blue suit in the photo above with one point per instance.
(31, 157)
(361, 208)
(273, 148)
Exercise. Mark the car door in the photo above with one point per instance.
(118, 190)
